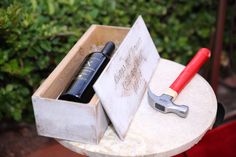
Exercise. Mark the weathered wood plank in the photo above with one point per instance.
(123, 82)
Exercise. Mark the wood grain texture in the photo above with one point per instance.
(156, 134)
(122, 84)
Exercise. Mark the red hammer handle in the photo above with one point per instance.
(191, 69)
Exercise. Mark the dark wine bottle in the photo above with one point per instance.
(81, 88)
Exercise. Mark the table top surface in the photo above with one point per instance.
(152, 133)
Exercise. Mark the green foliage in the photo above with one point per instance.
(36, 34)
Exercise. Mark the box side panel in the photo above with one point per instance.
(102, 121)
(65, 120)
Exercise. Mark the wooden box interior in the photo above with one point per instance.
(63, 74)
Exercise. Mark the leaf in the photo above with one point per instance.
(46, 46)
(43, 62)
(12, 67)
(9, 87)
(71, 2)
(98, 2)
(34, 4)
(51, 7)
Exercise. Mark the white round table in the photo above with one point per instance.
(156, 134)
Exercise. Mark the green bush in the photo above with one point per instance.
(36, 34)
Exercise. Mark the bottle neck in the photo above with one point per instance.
(108, 49)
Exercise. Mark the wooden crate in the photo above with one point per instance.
(70, 120)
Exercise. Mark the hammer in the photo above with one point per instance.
(164, 103)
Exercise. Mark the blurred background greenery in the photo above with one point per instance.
(36, 34)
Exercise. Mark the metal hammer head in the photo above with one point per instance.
(164, 104)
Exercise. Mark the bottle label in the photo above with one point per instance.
(88, 69)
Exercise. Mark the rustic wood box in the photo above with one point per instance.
(70, 120)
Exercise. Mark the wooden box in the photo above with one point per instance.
(69, 120)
